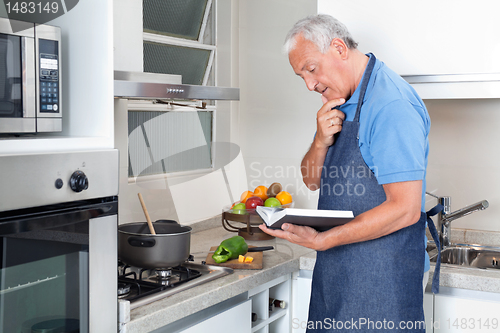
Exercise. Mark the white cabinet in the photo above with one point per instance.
(424, 37)
(238, 318)
(429, 311)
(458, 310)
(276, 320)
(301, 294)
(451, 46)
(235, 319)
(128, 34)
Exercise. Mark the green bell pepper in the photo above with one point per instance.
(230, 248)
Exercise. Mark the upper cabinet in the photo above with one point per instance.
(445, 49)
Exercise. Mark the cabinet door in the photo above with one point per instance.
(301, 294)
(236, 319)
(460, 314)
(424, 37)
(429, 311)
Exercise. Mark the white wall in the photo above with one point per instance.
(127, 37)
(464, 158)
(277, 114)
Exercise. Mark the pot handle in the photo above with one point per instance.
(141, 241)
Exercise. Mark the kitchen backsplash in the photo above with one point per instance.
(464, 159)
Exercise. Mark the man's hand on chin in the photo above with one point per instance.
(300, 235)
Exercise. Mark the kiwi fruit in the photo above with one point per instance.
(274, 189)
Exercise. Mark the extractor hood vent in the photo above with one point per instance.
(138, 85)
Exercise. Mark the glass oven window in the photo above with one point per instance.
(10, 77)
(44, 283)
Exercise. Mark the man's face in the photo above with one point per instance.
(324, 73)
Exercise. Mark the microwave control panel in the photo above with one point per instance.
(49, 76)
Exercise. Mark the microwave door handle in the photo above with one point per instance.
(29, 77)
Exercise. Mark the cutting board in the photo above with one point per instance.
(233, 263)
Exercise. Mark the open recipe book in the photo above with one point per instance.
(320, 220)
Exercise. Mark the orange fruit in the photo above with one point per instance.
(261, 192)
(284, 197)
(245, 195)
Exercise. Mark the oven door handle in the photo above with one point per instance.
(55, 216)
(141, 241)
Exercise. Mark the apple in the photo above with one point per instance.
(253, 202)
(239, 208)
(272, 202)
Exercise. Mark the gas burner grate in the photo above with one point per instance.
(145, 282)
(123, 289)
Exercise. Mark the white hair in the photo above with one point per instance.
(321, 30)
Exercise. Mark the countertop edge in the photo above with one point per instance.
(487, 280)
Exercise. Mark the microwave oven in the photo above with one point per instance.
(30, 78)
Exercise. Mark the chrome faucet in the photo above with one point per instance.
(445, 218)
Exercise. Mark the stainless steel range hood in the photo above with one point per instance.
(138, 85)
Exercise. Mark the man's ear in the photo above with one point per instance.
(339, 47)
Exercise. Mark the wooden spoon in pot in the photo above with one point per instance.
(150, 225)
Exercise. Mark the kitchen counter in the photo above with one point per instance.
(284, 259)
(451, 276)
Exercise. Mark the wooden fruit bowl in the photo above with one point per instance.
(251, 219)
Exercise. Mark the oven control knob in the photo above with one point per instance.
(78, 181)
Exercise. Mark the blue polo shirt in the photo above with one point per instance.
(394, 129)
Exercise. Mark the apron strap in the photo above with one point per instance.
(364, 85)
(432, 228)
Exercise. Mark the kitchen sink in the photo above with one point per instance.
(470, 256)
(431, 246)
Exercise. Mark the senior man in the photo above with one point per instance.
(369, 156)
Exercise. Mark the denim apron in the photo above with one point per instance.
(364, 286)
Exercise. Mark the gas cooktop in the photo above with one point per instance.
(144, 286)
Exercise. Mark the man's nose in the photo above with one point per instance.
(311, 83)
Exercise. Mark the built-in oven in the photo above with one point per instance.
(30, 77)
(58, 242)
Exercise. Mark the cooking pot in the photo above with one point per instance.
(168, 248)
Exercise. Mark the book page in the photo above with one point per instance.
(318, 212)
(270, 214)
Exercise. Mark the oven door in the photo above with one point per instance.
(17, 78)
(58, 268)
